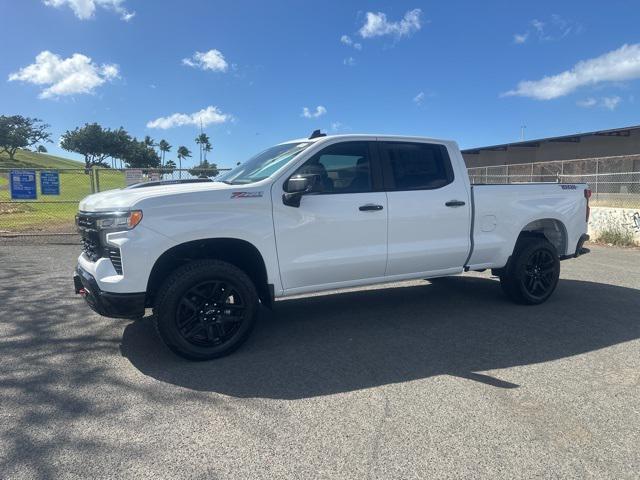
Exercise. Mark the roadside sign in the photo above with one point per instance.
(133, 176)
(23, 184)
(49, 183)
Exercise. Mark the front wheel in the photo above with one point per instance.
(532, 273)
(206, 309)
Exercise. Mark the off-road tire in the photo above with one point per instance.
(532, 274)
(177, 297)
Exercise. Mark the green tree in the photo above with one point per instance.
(42, 149)
(140, 154)
(18, 132)
(95, 143)
(149, 142)
(169, 167)
(183, 154)
(120, 143)
(202, 140)
(204, 169)
(164, 148)
(206, 148)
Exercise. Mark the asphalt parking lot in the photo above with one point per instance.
(421, 380)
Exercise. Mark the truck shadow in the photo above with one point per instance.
(343, 342)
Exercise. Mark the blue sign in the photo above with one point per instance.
(49, 183)
(23, 184)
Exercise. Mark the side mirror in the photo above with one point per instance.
(295, 188)
(298, 184)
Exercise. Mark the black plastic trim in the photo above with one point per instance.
(108, 304)
(472, 226)
(580, 249)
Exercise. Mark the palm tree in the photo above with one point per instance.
(202, 140)
(164, 148)
(206, 148)
(169, 167)
(148, 141)
(183, 152)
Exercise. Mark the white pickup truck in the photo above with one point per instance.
(322, 213)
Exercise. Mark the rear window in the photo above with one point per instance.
(417, 166)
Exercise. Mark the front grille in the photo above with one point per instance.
(91, 248)
(85, 222)
(116, 260)
(92, 245)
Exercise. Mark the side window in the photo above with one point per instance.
(417, 166)
(340, 168)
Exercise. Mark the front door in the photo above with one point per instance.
(339, 232)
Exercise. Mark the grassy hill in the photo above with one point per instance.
(48, 213)
(24, 159)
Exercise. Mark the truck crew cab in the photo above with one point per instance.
(326, 212)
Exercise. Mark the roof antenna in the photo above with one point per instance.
(317, 134)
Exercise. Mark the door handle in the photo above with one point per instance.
(455, 203)
(370, 207)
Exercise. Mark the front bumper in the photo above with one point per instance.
(108, 304)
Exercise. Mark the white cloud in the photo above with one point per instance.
(520, 38)
(320, 110)
(556, 28)
(335, 126)
(419, 98)
(538, 25)
(349, 61)
(86, 9)
(609, 103)
(347, 40)
(206, 116)
(211, 60)
(587, 102)
(615, 66)
(377, 24)
(69, 76)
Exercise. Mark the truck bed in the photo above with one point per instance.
(501, 211)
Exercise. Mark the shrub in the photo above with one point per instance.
(618, 236)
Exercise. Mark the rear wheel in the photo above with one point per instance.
(532, 273)
(206, 309)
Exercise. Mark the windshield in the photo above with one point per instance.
(264, 164)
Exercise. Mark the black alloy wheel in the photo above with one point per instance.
(532, 273)
(206, 309)
(210, 313)
(539, 273)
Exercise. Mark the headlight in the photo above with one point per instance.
(119, 220)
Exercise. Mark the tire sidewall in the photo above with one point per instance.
(517, 273)
(184, 279)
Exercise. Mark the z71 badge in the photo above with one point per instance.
(246, 194)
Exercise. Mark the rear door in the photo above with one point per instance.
(339, 233)
(429, 211)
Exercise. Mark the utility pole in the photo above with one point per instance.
(522, 127)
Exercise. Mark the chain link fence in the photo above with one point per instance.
(44, 201)
(614, 181)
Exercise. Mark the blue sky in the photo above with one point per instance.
(441, 69)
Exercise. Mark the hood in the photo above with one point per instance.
(125, 199)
